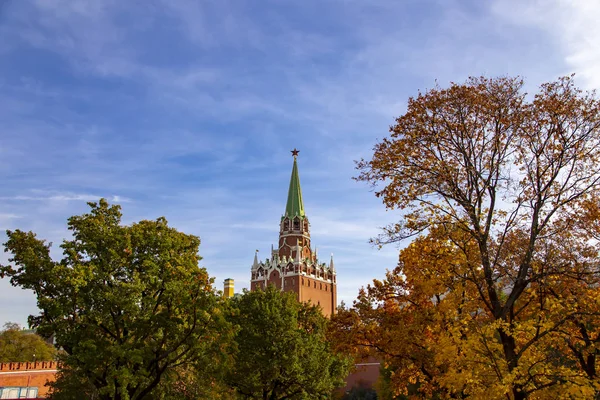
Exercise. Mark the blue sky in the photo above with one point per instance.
(188, 110)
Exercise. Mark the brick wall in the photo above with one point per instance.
(28, 374)
(364, 375)
(318, 292)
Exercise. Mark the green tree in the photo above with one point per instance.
(17, 345)
(190, 383)
(360, 393)
(282, 352)
(128, 304)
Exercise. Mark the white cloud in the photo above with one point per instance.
(7, 219)
(64, 197)
(572, 24)
(8, 216)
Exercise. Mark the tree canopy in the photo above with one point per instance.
(282, 351)
(17, 345)
(497, 294)
(128, 304)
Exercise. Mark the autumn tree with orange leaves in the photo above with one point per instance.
(497, 295)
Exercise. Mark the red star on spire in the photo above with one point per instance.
(295, 152)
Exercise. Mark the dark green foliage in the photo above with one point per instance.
(128, 304)
(360, 393)
(282, 350)
(17, 345)
(73, 386)
(194, 382)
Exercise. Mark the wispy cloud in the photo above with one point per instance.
(7, 219)
(572, 25)
(8, 216)
(65, 197)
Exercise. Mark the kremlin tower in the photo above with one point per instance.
(294, 265)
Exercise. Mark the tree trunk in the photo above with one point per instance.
(518, 394)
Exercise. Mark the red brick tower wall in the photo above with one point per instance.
(28, 374)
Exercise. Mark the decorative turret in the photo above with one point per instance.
(298, 251)
(228, 288)
(255, 263)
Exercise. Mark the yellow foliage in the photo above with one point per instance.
(498, 294)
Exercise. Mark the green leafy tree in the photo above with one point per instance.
(128, 304)
(190, 383)
(17, 345)
(360, 393)
(282, 352)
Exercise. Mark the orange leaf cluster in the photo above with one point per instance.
(497, 296)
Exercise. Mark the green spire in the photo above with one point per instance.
(295, 205)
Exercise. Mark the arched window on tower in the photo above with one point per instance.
(296, 224)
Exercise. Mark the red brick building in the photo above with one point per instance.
(294, 266)
(365, 375)
(26, 380)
